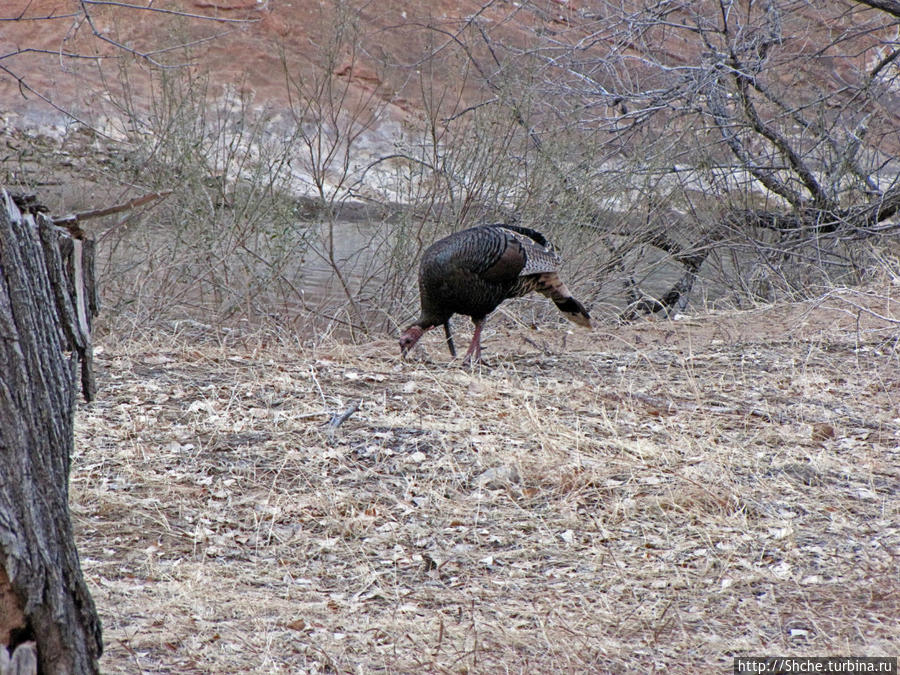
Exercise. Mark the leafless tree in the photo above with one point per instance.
(768, 125)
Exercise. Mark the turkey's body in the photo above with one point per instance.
(471, 272)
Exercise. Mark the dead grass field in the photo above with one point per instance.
(658, 497)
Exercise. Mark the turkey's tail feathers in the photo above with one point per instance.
(553, 287)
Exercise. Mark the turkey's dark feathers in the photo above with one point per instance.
(472, 271)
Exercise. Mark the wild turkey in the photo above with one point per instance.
(471, 272)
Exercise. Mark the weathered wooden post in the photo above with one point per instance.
(47, 301)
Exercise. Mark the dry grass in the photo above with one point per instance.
(656, 498)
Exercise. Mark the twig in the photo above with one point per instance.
(534, 344)
(863, 309)
(309, 415)
(74, 218)
(338, 420)
(25, 87)
(100, 35)
(159, 10)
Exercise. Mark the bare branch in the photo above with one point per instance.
(45, 17)
(888, 59)
(159, 10)
(820, 199)
(338, 419)
(889, 6)
(24, 86)
(74, 218)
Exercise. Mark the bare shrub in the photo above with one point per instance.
(675, 153)
(219, 245)
(749, 141)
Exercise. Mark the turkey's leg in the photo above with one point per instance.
(475, 347)
(449, 338)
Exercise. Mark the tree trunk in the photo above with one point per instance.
(46, 304)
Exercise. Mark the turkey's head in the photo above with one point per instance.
(409, 338)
